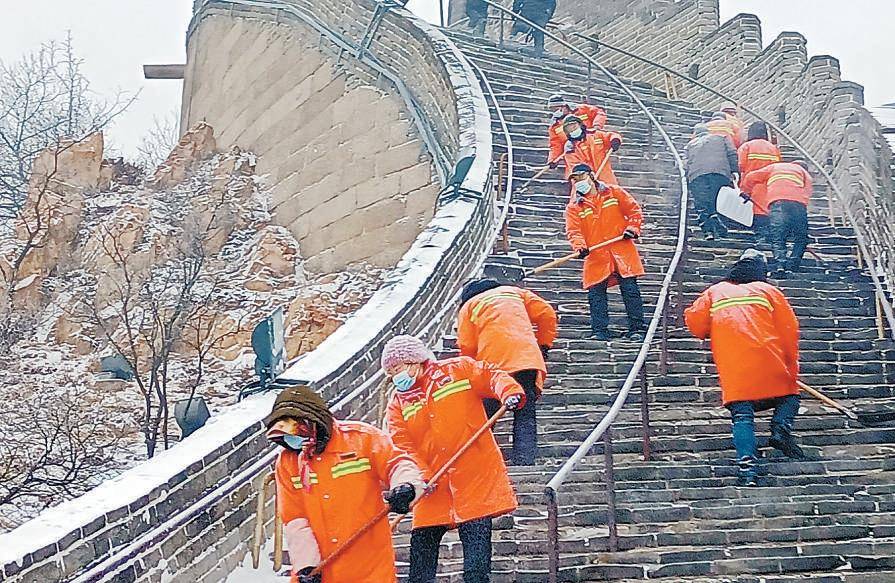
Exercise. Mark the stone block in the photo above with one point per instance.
(398, 157)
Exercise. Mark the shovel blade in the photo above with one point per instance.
(503, 272)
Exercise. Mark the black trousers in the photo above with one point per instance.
(475, 536)
(761, 225)
(705, 190)
(599, 304)
(525, 420)
(789, 220)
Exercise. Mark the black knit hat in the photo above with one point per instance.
(570, 119)
(751, 266)
(302, 403)
(581, 168)
(757, 131)
(475, 287)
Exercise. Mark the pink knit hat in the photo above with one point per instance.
(404, 350)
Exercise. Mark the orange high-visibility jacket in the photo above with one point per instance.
(783, 180)
(496, 327)
(738, 126)
(603, 215)
(593, 117)
(434, 419)
(755, 155)
(723, 127)
(591, 150)
(345, 492)
(755, 339)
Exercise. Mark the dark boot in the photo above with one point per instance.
(748, 471)
(783, 441)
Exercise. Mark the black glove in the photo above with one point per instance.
(304, 576)
(615, 144)
(745, 197)
(400, 497)
(545, 350)
(582, 253)
(553, 165)
(630, 234)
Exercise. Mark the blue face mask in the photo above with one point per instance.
(583, 187)
(294, 442)
(403, 381)
(576, 133)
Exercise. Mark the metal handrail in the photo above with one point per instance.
(887, 305)
(555, 484)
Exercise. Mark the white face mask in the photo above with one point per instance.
(583, 187)
(559, 114)
(576, 133)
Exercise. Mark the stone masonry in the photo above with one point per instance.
(350, 177)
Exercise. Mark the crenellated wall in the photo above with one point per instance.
(780, 82)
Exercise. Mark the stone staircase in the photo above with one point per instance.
(681, 518)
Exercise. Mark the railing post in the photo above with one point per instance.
(644, 415)
(647, 152)
(880, 326)
(589, 81)
(663, 359)
(552, 537)
(502, 18)
(611, 517)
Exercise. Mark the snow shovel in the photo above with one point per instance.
(569, 257)
(862, 418)
(448, 464)
(384, 512)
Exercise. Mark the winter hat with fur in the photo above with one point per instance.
(405, 349)
(302, 403)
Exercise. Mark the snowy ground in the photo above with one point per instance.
(245, 573)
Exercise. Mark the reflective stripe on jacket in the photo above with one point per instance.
(783, 180)
(755, 155)
(593, 118)
(504, 327)
(434, 419)
(346, 482)
(755, 339)
(603, 215)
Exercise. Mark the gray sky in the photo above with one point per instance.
(116, 37)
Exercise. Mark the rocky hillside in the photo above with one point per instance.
(169, 274)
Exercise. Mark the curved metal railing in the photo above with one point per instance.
(864, 250)
(554, 486)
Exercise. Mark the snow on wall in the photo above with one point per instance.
(141, 514)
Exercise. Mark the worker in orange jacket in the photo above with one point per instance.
(719, 125)
(330, 480)
(435, 410)
(589, 147)
(756, 153)
(789, 188)
(755, 345)
(591, 116)
(731, 112)
(512, 329)
(599, 213)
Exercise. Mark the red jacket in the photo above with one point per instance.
(591, 150)
(434, 419)
(496, 327)
(755, 155)
(783, 180)
(603, 215)
(755, 339)
(343, 492)
(593, 117)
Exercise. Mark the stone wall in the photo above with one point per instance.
(807, 96)
(188, 514)
(350, 176)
